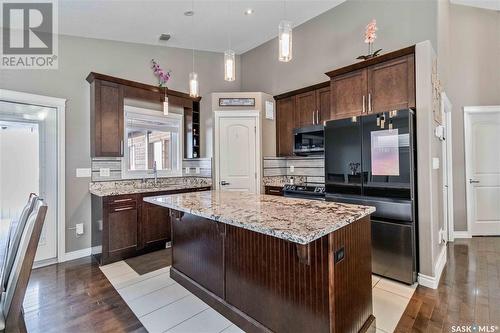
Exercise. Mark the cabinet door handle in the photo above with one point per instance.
(317, 117)
(121, 147)
(124, 208)
(471, 181)
(364, 109)
(122, 200)
(274, 191)
(314, 122)
(369, 102)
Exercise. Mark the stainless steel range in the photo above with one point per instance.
(304, 192)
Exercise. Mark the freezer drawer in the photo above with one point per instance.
(393, 250)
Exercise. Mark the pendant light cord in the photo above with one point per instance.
(229, 24)
(192, 29)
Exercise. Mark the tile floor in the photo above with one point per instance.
(162, 305)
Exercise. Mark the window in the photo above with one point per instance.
(152, 138)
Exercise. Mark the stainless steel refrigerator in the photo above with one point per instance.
(371, 160)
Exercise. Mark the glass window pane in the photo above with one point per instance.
(152, 139)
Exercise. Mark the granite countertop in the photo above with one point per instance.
(297, 220)
(104, 189)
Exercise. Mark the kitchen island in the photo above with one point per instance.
(274, 264)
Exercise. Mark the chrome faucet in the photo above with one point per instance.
(155, 173)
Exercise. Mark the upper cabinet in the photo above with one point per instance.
(323, 104)
(285, 122)
(107, 96)
(391, 85)
(306, 112)
(106, 118)
(380, 84)
(348, 94)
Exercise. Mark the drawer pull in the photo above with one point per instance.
(122, 200)
(275, 191)
(122, 209)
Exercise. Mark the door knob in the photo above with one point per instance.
(471, 181)
(224, 183)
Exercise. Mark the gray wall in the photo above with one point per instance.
(334, 39)
(79, 56)
(473, 78)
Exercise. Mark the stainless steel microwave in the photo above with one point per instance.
(309, 140)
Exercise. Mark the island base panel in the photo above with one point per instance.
(273, 285)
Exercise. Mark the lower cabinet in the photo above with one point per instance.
(273, 190)
(155, 225)
(125, 226)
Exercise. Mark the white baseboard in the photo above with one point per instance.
(461, 234)
(76, 254)
(43, 263)
(433, 281)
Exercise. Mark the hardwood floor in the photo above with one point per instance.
(76, 297)
(468, 294)
(151, 261)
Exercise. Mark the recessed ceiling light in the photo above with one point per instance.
(188, 13)
(164, 37)
(249, 11)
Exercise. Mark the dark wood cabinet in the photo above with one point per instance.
(285, 122)
(106, 113)
(124, 226)
(199, 250)
(380, 84)
(155, 225)
(122, 229)
(348, 94)
(305, 109)
(273, 190)
(323, 104)
(391, 85)
(107, 99)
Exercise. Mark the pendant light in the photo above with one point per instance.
(193, 76)
(165, 103)
(229, 55)
(285, 38)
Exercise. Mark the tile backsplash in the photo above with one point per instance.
(312, 168)
(114, 164)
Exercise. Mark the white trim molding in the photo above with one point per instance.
(60, 105)
(461, 234)
(433, 281)
(76, 254)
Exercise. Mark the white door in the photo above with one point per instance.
(482, 140)
(237, 149)
(28, 150)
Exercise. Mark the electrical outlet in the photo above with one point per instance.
(186, 170)
(104, 172)
(197, 170)
(292, 168)
(79, 229)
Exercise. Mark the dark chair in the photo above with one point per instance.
(15, 233)
(11, 316)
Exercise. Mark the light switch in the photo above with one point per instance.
(197, 170)
(435, 163)
(104, 172)
(292, 168)
(79, 229)
(83, 172)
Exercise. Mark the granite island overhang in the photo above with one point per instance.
(274, 264)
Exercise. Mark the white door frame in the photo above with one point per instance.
(60, 105)
(447, 144)
(468, 112)
(218, 114)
